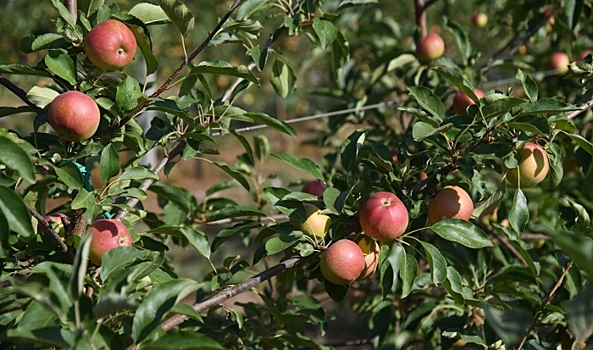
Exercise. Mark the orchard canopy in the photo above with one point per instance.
(296, 174)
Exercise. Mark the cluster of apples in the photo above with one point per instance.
(75, 116)
(384, 217)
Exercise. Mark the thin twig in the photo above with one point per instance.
(510, 247)
(545, 301)
(147, 182)
(420, 10)
(72, 6)
(181, 67)
(48, 227)
(229, 293)
(19, 92)
(422, 185)
(581, 109)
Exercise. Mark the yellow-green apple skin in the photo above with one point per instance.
(532, 168)
(342, 263)
(317, 224)
(371, 251)
(450, 202)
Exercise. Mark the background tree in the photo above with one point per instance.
(259, 98)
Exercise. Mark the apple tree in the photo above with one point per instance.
(449, 206)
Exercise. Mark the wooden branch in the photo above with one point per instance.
(422, 185)
(72, 6)
(581, 109)
(167, 84)
(420, 9)
(48, 228)
(545, 301)
(19, 92)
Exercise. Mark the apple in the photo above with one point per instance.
(74, 116)
(584, 55)
(479, 19)
(559, 61)
(462, 101)
(450, 202)
(110, 45)
(314, 187)
(533, 166)
(343, 262)
(395, 157)
(106, 235)
(316, 224)
(430, 48)
(384, 216)
(56, 223)
(371, 251)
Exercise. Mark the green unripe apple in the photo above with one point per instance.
(532, 168)
(316, 224)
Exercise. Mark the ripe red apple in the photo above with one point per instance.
(395, 157)
(371, 251)
(533, 166)
(110, 45)
(74, 116)
(584, 55)
(479, 19)
(559, 61)
(450, 202)
(56, 223)
(462, 101)
(107, 234)
(430, 48)
(384, 216)
(314, 187)
(317, 224)
(342, 263)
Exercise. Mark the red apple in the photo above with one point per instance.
(342, 263)
(110, 45)
(450, 202)
(430, 48)
(56, 223)
(74, 116)
(533, 166)
(384, 216)
(371, 251)
(395, 157)
(314, 187)
(107, 234)
(559, 61)
(479, 19)
(462, 101)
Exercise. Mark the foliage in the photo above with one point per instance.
(516, 275)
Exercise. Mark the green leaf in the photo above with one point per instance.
(462, 232)
(326, 32)
(578, 247)
(41, 96)
(70, 175)
(436, 261)
(84, 199)
(461, 37)
(128, 94)
(510, 326)
(422, 130)
(224, 68)
(50, 337)
(157, 303)
(278, 244)
(179, 14)
(32, 43)
(60, 64)
(273, 123)
(15, 158)
(453, 284)
(138, 173)
(16, 213)
(182, 340)
(529, 85)
(350, 149)
(262, 147)
(519, 213)
(234, 212)
(458, 80)
(118, 258)
(149, 13)
(283, 78)
(196, 238)
(145, 46)
(22, 69)
(109, 163)
(547, 105)
(63, 11)
(89, 7)
(535, 124)
(408, 270)
(429, 101)
(305, 165)
(487, 205)
(223, 235)
(389, 265)
(79, 268)
(5, 247)
(350, 3)
(580, 316)
(233, 173)
(582, 142)
(246, 146)
(36, 316)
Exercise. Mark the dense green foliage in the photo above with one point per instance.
(516, 275)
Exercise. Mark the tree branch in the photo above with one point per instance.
(72, 6)
(181, 67)
(48, 228)
(19, 92)
(545, 301)
(581, 109)
(420, 9)
(422, 185)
